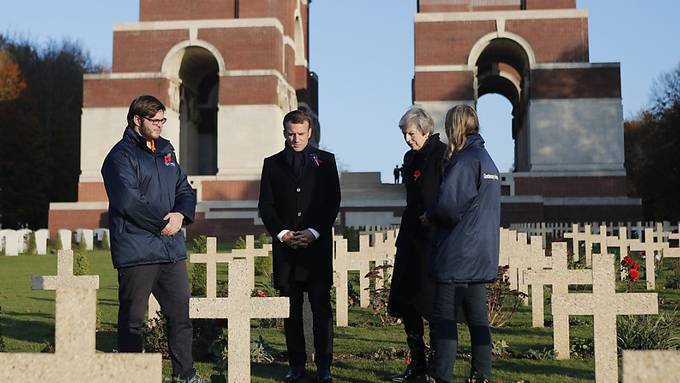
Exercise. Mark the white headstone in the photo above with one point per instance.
(41, 237)
(64, 237)
(101, 235)
(24, 238)
(85, 236)
(10, 239)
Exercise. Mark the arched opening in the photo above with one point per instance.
(495, 121)
(503, 68)
(199, 97)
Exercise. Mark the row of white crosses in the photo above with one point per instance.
(345, 261)
(604, 303)
(653, 243)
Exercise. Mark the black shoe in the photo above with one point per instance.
(410, 374)
(294, 374)
(324, 376)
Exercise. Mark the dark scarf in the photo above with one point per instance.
(297, 160)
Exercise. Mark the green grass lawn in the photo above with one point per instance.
(27, 324)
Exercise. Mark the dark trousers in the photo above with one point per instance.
(415, 331)
(322, 324)
(448, 298)
(169, 283)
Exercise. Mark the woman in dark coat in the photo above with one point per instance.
(411, 289)
(464, 255)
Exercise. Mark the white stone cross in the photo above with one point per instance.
(554, 272)
(518, 262)
(238, 308)
(75, 358)
(604, 304)
(651, 249)
(211, 258)
(672, 252)
(586, 236)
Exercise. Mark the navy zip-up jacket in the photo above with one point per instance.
(143, 187)
(467, 217)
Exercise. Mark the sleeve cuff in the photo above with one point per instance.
(314, 233)
(281, 234)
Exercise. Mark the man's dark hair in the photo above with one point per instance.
(143, 106)
(296, 117)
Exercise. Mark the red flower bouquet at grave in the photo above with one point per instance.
(634, 275)
(631, 268)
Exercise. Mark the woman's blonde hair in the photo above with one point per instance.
(461, 120)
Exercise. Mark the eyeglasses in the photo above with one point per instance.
(156, 122)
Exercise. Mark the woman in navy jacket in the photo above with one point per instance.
(464, 255)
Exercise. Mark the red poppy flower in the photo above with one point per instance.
(261, 293)
(168, 158)
(627, 260)
(635, 266)
(634, 275)
(416, 174)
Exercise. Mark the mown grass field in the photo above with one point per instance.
(364, 352)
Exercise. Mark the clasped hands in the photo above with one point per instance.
(174, 223)
(298, 239)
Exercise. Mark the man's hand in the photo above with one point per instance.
(289, 239)
(304, 238)
(174, 223)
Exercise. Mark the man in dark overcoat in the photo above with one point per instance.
(299, 202)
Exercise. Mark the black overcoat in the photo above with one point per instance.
(411, 284)
(289, 202)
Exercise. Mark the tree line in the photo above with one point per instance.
(41, 98)
(652, 144)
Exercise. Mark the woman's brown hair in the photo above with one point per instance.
(461, 120)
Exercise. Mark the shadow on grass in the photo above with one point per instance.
(106, 340)
(26, 330)
(548, 367)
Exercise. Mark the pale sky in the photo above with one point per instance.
(362, 51)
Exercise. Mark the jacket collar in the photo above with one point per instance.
(474, 140)
(163, 146)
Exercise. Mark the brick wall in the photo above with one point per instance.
(247, 48)
(554, 40)
(120, 92)
(76, 219)
(143, 51)
(443, 86)
(576, 83)
(154, 10)
(448, 43)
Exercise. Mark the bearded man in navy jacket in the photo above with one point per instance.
(299, 201)
(149, 200)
